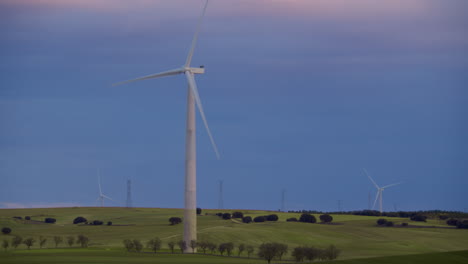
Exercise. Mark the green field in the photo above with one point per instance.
(357, 236)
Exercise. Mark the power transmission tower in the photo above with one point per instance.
(220, 198)
(283, 197)
(129, 193)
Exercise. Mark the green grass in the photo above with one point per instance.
(102, 256)
(357, 236)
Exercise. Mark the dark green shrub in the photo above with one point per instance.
(272, 217)
(27, 218)
(326, 218)
(259, 219)
(50, 220)
(6, 230)
(246, 219)
(389, 223)
(97, 222)
(237, 215)
(199, 211)
(79, 219)
(292, 219)
(381, 221)
(307, 218)
(226, 216)
(175, 220)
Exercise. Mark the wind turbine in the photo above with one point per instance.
(193, 98)
(101, 196)
(379, 190)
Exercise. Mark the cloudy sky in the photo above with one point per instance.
(300, 95)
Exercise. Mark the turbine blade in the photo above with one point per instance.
(195, 37)
(370, 178)
(99, 181)
(193, 86)
(376, 198)
(107, 197)
(390, 185)
(152, 76)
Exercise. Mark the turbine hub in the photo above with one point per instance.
(200, 70)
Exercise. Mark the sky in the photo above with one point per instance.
(300, 95)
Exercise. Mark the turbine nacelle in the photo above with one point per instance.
(200, 70)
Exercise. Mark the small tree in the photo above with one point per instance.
(311, 253)
(292, 219)
(419, 218)
(250, 249)
(16, 241)
(57, 240)
(6, 230)
(182, 245)
(128, 244)
(109, 223)
(281, 249)
(307, 218)
(79, 219)
(222, 248)
(203, 245)
(462, 224)
(389, 223)
(229, 247)
(226, 216)
(154, 244)
(70, 241)
(267, 251)
(42, 241)
(199, 211)
(27, 218)
(237, 215)
(98, 222)
(331, 252)
(193, 245)
(5, 244)
(50, 220)
(171, 245)
(138, 245)
(382, 221)
(212, 247)
(175, 220)
(299, 254)
(326, 218)
(246, 219)
(83, 241)
(29, 242)
(259, 219)
(272, 217)
(240, 249)
(452, 222)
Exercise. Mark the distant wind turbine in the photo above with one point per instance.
(101, 196)
(193, 98)
(379, 190)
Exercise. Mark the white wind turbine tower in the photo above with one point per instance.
(379, 191)
(101, 196)
(190, 220)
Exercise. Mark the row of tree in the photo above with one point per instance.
(267, 251)
(82, 240)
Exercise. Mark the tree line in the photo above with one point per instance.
(29, 242)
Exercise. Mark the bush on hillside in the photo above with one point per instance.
(382, 221)
(199, 211)
(452, 222)
(326, 218)
(79, 219)
(272, 217)
(237, 215)
(97, 222)
(443, 217)
(389, 223)
(50, 220)
(246, 219)
(226, 216)
(404, 224)
(259, 219)
(175, 220)
(307, 218)
(292, 219)
(27, 218)
(18, 217)
(109, 223)
(219, 214)
(419, 218)
(462, 224)
(6, 230)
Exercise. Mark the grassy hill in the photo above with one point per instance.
(357, 236)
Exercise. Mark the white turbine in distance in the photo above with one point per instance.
(379, 191)
(190, 214)
(101, 196)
